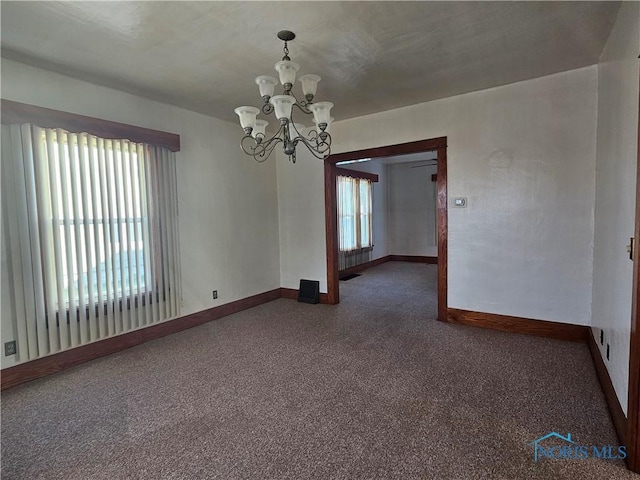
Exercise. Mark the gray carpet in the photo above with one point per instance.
(373, 388)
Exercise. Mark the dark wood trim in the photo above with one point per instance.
(615, 409)
(15, 112)
(292, 294)
(391, 150)
(363, 266)
(331, 221)
(527, 326)
(346, 172)
(57, 362)
(442, 231)
(633, 399)
(414, 258)
(331, 229)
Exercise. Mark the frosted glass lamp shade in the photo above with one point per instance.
(267, 85)
(287, 71)
(282, 105)
(309, 84)
(321, 112)
(260, 128)
(247, 116)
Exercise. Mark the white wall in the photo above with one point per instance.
(524, 155)
(616, 165)
(380, 226)
(412, 209)
(228, 202)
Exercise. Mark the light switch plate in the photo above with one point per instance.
(459, 202)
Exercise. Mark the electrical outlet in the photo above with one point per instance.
(10, 348)
(607, 351)
(601, 337)
(215, 294)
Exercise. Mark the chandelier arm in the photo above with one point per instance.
(262, 150)
(303, 107)
(266, 153)
(322, 140)
(267, 108)
(319, 149)
(301, 104)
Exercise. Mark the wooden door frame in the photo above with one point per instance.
(633, 404)
(439, 145)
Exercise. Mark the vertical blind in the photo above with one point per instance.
(354, 216)
(93, 236)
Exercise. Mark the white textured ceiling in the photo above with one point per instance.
(372, 56)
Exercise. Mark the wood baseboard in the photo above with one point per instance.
(389, 258)
(363, 266)
(292, 293)
(414, 258)
(615, 409)
(539, 328)
(57, 362)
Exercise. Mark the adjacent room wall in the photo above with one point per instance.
(227, 201)
(523, 155)
(412, 209)
(616, 166)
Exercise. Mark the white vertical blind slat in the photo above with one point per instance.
(121, 229)
(26, 331)
(163, 234)
(25, 257)
(98, 234)
(107, 225)
(50, 261)
(175, 244)
(54, 273)
(115, 319)
(152, 201)
(128, 227)
(34, 236)
(87, 221)
(135, 215)
(72, 143)
(145, 225)
(56, 139)
(169, 215)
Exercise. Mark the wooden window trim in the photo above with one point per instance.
(346, 172)
(18, 113)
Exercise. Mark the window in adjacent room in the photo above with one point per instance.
(354, 213)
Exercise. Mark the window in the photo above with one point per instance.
(354, 213)
(94, 235)
(110, 219)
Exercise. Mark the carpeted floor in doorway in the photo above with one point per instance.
(373, 388)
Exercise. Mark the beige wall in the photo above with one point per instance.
(412, 210)
(227, 201)
(523, 155)
(616, 166)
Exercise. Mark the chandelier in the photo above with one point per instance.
(290, 133)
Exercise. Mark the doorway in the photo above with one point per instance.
(438, 145)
